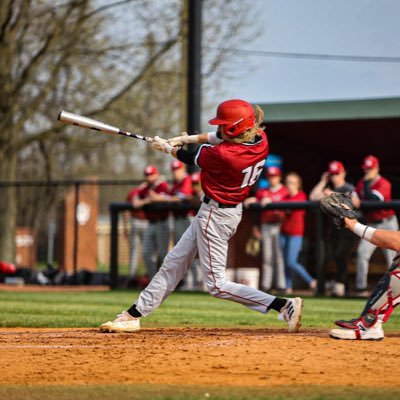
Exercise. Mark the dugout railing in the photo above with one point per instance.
(312, 207)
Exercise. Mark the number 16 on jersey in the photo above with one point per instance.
(252, 173)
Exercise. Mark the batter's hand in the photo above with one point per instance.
(183, 139)
(161, 145)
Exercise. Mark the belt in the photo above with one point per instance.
(207, 200)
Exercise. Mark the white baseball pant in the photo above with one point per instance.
(207, 235)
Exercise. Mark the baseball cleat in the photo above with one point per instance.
(291, 313)
(367, 320)
(348, 323)
(123, 323)
(359, 331)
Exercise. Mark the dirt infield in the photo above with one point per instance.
(226, 357)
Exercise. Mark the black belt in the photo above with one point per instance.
(220, 205)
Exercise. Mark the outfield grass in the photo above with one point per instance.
(60, 310)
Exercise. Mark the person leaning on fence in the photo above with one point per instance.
(135, 224)
(373, 187)
(273, 265)
(156, 235)
(341, 241)
(292, 233)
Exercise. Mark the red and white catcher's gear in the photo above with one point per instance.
(363, 330)
(234, 117)
(381, 303)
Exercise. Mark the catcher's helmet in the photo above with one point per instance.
(234, 117)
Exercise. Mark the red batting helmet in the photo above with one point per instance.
(234, 117)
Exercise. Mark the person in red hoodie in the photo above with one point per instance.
(292, 232)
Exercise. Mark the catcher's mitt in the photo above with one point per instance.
(338, 206)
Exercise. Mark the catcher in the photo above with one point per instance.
(386, 295)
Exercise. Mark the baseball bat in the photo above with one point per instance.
(84, 122)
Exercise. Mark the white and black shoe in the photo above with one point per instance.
(123, 323)
(291, 313)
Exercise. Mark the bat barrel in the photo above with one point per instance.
(85, 122)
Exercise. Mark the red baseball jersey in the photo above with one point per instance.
(274, 194)
(293, 224)
(139, 214)
(381, 188)
(160, 187)
(184, 190)
(228, 170)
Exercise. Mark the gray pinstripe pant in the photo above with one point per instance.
(208, 234)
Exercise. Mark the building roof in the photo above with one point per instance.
(332, 110)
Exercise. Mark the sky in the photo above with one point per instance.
(337, 27)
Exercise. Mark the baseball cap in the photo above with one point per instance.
(176, 164)
(274, 171)
(150, 170)
(335, 167)
(195, 177)
(370, 162)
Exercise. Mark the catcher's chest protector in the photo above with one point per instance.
(386, 295)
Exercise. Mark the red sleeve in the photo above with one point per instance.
(162, 188)
(384, 188)
(131, 195)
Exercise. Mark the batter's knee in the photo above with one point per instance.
(216, 289)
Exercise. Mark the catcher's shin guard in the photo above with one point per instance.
(382, 301)
(386, 295)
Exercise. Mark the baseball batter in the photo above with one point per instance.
(231, 161)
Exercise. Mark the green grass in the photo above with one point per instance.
(60, 310)
(166, 392)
